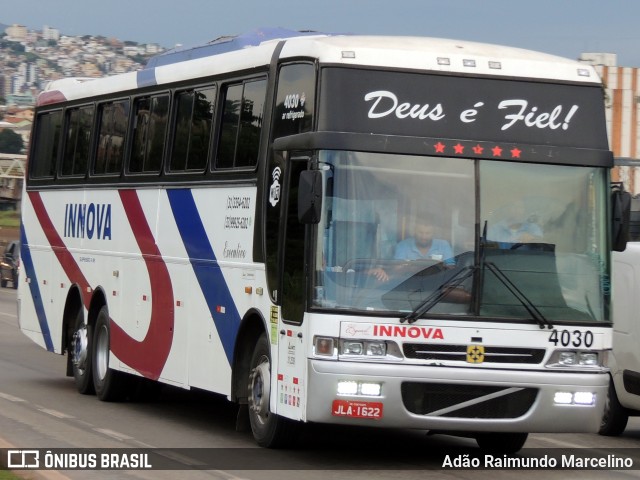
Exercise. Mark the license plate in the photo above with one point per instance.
(348, 408)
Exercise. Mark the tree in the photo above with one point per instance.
(10, 142)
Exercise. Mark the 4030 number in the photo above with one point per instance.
(568, 338)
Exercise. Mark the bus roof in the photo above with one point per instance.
(254, 50)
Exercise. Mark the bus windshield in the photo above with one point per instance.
(413, 235)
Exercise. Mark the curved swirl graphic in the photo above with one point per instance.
(148, 356)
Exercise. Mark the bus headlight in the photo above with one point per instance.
(376, 348)
(352, 348)
(355, 349)
(588, 358)
(568, 358)
(575, 358)
(363, 348)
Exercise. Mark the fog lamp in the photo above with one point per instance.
(584, 398)
(347, 387)
(563, 398)
(371, 389)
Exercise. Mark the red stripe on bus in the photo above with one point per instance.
(49, 98)
(149, 355)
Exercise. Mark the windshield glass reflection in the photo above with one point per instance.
(399, 234)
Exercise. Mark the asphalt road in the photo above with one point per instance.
(193, 434)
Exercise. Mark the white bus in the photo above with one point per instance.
(235, 218)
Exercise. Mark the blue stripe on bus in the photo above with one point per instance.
(204, 263)
(146, 78)
(27, 265)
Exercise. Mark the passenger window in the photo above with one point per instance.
(77, 140)
(242, 117)
(44, 157)
(149, 132)
(114, 121)
(192, 134)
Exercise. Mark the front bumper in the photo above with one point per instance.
(469, 399)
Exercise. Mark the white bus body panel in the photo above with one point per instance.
(112, 260)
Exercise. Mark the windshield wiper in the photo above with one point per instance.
(521, 297)
(439, 293)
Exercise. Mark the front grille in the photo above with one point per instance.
(458, 353)
(467, 401)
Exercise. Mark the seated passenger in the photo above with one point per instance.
(516, 227)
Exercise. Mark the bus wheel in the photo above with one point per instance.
(110, 385)
(269, 430)
(81, 355)
(615, 417)
(501, 442)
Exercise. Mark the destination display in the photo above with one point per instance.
(455, 107)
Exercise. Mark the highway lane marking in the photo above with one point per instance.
(41, 474)
(559, 443)
(110, 433)
(54, 413)
(11, 398)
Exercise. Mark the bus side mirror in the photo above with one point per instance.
(620, 217)
(310, 196)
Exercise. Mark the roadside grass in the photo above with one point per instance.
(9, 219)
(7, 475)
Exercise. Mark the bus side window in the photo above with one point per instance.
(192, 133)
(243, 108)
(47, 140)
(75, 157)
(114, 120)
(157, 133)
(140, 142)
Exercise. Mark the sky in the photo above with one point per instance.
(561, 27)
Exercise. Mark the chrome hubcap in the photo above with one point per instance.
(80, 348)
(260, 390)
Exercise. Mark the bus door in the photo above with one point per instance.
(291, 369)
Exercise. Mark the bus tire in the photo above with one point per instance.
(110, 385)
(615, 418)
(80, 353)
(501, 442)
(269, 430)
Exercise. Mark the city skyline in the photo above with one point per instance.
(561, 27)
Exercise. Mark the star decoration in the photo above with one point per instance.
(478, 149)
(439, 147)
(515, 152)
(497, 151)
(459, 149)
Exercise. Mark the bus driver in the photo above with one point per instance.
(422, 246)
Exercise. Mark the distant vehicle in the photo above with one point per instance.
(624, 362)
(623, 400)
(10, 265)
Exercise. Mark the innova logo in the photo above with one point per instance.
(404, 331)
(90, 221)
